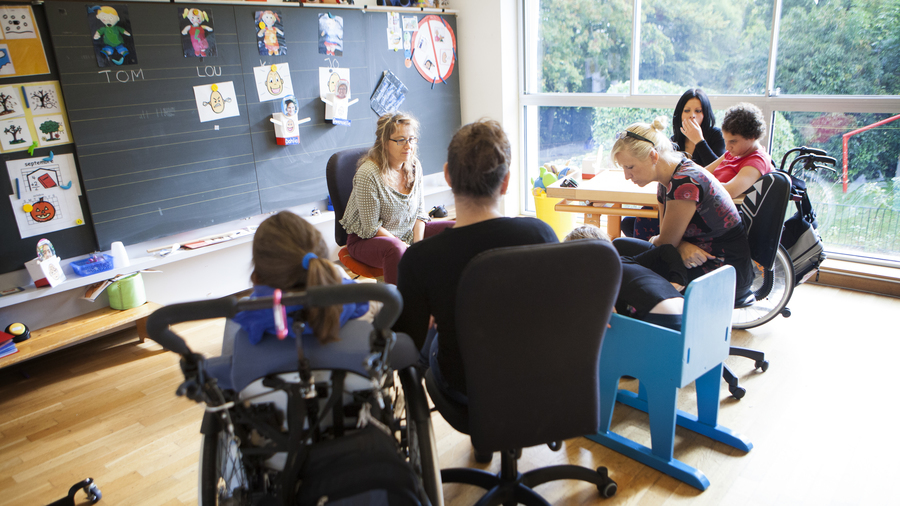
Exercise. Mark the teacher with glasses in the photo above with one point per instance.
(386, 210)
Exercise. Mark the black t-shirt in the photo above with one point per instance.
(646, 280)
(430, 271)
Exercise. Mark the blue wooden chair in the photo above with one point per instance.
(663, 361)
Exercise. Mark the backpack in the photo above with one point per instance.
(800, 238)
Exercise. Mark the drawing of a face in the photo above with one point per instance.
(216, 102)
(333, 81)
(16, 21)
(108, 16)
(268, 17)
(195, 16)
(42, 211)
(274, 83)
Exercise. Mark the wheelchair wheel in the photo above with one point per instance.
(417, 435)
(223, 480)
(773, 289)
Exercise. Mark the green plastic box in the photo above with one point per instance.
(127, 292)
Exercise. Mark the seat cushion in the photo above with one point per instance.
(357, 267)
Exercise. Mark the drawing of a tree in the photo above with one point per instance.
(8, 103)
(51, 128)
(14, 130)
(44, 99)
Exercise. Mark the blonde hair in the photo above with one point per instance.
(586, 232)
(378, 155)
(279, 245)
(640, 148)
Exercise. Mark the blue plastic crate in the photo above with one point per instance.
(92, 265)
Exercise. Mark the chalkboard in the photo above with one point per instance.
(74, 241)
(151, 168)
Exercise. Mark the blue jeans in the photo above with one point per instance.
(431, 345)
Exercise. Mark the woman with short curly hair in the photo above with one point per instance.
(745, 160)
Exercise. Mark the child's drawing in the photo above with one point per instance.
(331, 34)
(270, 37)
(273, 81)
(10, 103)
(216, 101)
(197, 33)
(15, 134)
(6, 64)
(43, 99)
(51, 130)
(17, 23)
(111, 31)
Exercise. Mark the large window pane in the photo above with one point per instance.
(865, 219)
(584, 45)
(839, 47)
(719, 45)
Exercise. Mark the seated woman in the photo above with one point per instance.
(477, 171)
(650, 282)
(288, 254)
(696, 135)
(698, 216)
(745, 160)
(386, 210)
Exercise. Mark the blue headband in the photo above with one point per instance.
(306, 258)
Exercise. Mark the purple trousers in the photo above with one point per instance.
(385, 252)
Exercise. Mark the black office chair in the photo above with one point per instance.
(762, 212)
(530, 323)
(339, 174)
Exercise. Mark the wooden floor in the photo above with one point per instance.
(823, 421)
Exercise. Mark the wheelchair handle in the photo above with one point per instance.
(158, 323)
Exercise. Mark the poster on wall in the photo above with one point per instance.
(216, 101)
(198, 37)
(21, 50)
(273, 82)
(270, 34)
(434, 49)
(46, 194)
(110, 28)
(32, 114)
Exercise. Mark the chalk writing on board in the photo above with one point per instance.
(123, 76)
(210, 72)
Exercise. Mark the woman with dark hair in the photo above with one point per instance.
(695, 128)
(477, 171)
(386, 210)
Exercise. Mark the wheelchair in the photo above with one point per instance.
(764, 212)
(312, 423)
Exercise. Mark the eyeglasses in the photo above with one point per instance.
(628, 133)
(412, 141)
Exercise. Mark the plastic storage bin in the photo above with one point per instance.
(127, 292)
(561, 222)
(92, 265)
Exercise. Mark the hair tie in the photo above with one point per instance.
(306, 258)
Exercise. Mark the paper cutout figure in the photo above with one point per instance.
(270, 37)
(434, 52)
(216, 101)
(197, 33)
(6, 65)
(331, 34)
(51, 130)
(17, 23)
(334, 90)
(10, 103)
(111, 30)
(389, 94)
(287, 130)
(15, 134)
(43, 99)
(273, 82)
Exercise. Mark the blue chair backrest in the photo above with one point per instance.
(706, 325)
(763, 213)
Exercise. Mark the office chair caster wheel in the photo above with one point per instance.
(786, 312)
(737, 392)
(93, 493)
(483, 457)
(607, 488)
(762, 365)
(555, 445)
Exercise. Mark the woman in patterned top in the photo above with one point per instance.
(697, 215)
(386, 209)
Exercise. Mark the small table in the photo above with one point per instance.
(605, 193)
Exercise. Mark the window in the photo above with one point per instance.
(591, 67)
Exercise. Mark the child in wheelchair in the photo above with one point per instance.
(315, 414)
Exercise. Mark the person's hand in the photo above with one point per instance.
(692, 255)
(692, 131)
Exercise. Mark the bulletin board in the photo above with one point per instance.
(152, 165)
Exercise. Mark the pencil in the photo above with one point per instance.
(17, 189)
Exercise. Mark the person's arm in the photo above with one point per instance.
(365, 193)
(671, 231)
(709, 149)
(421, 216)
(418, 230)
(742, 181)
(711, 168)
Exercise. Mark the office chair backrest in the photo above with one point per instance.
(763, 212)
(530, 321)
(706, 324)
(339, 174)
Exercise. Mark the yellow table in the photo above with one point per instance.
(605, 193)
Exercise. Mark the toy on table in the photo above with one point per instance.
(19, 331)
(45, 269)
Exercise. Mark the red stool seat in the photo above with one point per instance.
(357, 267)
